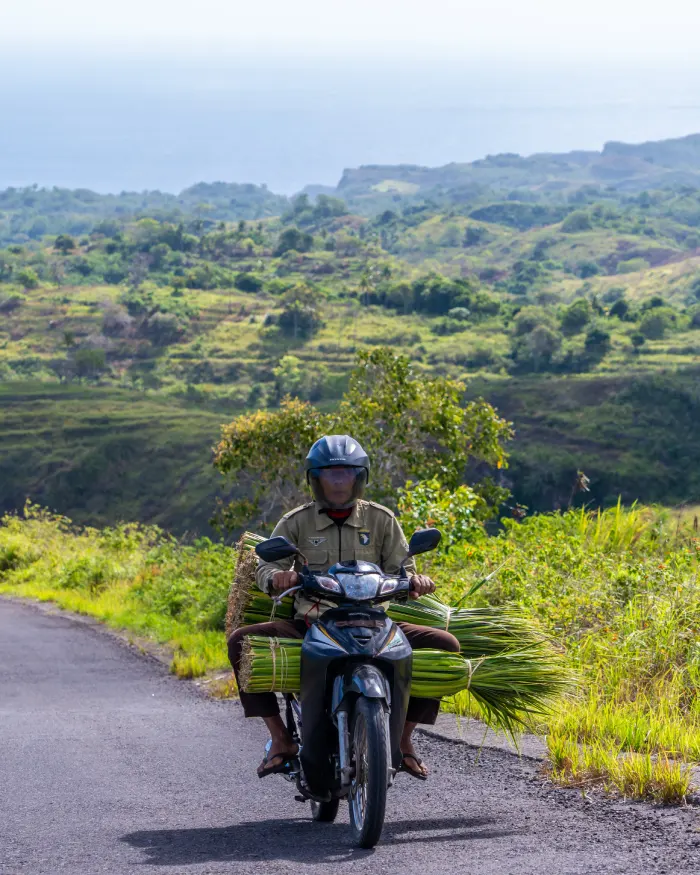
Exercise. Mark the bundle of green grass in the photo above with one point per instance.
(510, 688)
(511, 670)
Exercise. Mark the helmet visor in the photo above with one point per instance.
(338, 487)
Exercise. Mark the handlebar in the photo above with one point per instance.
(277, 599)
(307, 576)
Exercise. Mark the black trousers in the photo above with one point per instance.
(265, 704)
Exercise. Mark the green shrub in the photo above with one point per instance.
(91, 572)
(576, 222)
(248, 282)
(28, 278)
(655, 323)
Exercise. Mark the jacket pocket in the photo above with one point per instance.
(317, 558)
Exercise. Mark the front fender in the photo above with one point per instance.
(365, 680)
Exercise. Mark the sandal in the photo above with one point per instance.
(414, 773)
(279, 768)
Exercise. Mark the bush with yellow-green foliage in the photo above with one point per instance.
(130, 576)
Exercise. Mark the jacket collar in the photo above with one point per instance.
(323, 521)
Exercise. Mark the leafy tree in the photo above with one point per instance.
(63, 243)
(159, 255)
(289, 376)
(38, 228)
(527, 319)
(620, 309)
(327, 207)
(248, 282)
(535, 350)
(459, 513)
(163, 329)
(586, 269)
(575, 318)
(296, 378)
(294, 239)
(526, 274)
(412, 428)
(655, 323)
(90, 362)
(475, 235)
(638, 341)
(300, 317)
(460, 313)
(598, 342)
(28, 278)
(576, 222)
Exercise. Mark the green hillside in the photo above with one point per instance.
(125, 344)
(101, 455)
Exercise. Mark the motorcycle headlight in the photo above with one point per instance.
(329, 584)
(389, 585)
(360, 586)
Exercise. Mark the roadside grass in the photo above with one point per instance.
(633, 775)
(131, 577)
(618, 588)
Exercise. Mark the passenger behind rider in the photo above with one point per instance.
(337, 525)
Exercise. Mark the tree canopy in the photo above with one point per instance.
(413, 428)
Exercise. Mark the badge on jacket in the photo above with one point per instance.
(364, 538)
(315, 541)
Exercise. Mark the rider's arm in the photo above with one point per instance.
(265, 570)
(394, 550)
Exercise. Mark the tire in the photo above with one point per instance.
(325, 812)
(370, 743)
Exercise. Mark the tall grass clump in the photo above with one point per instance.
(619, 589)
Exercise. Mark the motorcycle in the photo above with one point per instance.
(355, 684)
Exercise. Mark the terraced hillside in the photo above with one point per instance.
(125, 343)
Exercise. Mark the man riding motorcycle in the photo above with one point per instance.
(337, 526)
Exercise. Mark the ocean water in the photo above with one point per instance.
(143, 123)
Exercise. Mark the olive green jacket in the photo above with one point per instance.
(371, 533)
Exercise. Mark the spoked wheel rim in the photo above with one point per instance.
(358, 789)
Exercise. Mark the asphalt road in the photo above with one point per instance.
(110, 765)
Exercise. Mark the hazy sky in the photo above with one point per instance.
(165, 93)
(623, 28)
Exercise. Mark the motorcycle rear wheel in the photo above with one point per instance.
(325, 812)
(370, 741)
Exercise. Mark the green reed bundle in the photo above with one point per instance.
(510, 687)
(246, 603)
(480, 631)
(270, 665)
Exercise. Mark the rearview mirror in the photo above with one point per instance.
(423, 540)
(275, 549)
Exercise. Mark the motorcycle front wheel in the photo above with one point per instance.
(370, 741)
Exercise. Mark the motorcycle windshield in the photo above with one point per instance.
(359, 587)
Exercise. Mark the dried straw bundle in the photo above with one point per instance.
(246, 603)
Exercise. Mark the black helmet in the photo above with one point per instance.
(337, 451)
